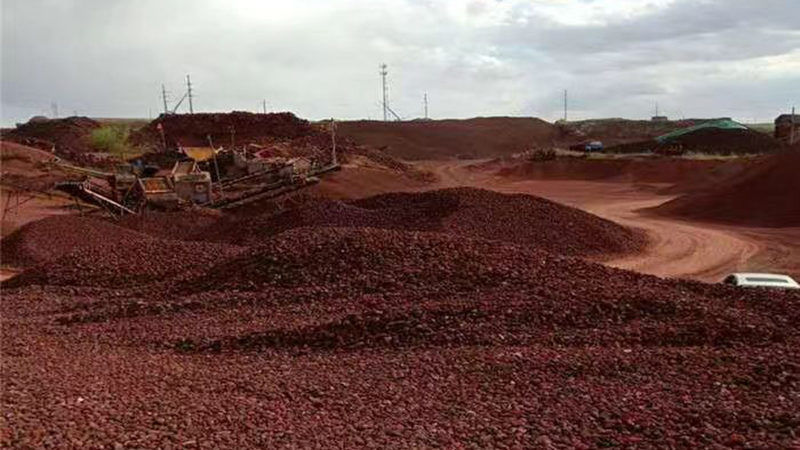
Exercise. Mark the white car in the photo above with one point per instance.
(770, 280)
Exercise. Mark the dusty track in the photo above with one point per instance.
(679, 248)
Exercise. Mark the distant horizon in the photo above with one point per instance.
(671, 119)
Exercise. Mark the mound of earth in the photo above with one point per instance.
(469, 212)
(67, 137)
(481, 137)
(518, 218)
(193, 130)
(766, 195)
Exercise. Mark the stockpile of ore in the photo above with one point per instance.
(53, 237)
(69, 137)
(397, 330)
(469, 212)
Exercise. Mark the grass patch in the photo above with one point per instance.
(113, 139)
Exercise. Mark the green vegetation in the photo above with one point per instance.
(132, 124)
(767, 128)
(112, 139)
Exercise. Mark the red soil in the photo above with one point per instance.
(682, 174)
(471, 138)
(767, 195)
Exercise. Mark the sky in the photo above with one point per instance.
(320, 58)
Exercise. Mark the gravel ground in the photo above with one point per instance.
(363, 337)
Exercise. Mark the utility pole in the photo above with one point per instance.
(791, 133)
(189, 93)
(164, 98)
(54, 106)
(334, 162)
(656, 109)
(565, 105)
(385, 88)
(264, 106)
(425, 100)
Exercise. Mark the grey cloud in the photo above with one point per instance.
(108, 58)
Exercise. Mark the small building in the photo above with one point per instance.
(783, 127)
(659, 119)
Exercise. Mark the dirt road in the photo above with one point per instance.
(693, 250)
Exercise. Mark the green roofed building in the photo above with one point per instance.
(726, 124)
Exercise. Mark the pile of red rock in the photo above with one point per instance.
(417, 321)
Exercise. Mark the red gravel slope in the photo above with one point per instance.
(50, 238)
(518, 218)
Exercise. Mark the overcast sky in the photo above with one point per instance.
(319, 58)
